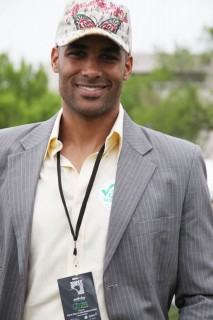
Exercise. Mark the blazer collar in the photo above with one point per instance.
(40, 133)
(132, 133)
(135, 136)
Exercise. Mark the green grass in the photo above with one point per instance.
(173, 313)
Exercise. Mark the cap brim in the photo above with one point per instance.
(72, 37)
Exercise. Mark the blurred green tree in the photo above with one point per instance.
(168, 99)
(173, 313)
(24, 94)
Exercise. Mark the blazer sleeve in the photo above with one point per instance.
(194, 291)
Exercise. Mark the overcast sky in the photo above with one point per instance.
(27, 28)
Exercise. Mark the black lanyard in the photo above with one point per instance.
(84, 203)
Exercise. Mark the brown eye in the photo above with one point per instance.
(109, 57)
(76, 54)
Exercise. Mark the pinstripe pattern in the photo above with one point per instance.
(160, 237)
(21, 156)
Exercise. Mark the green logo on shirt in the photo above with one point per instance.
(107, 194)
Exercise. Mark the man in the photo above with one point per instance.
(101, 218)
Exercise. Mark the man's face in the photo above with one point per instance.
(91, 73)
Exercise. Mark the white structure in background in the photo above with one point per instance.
(209, 167)
(206, 141)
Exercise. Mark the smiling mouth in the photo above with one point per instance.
(92, 89)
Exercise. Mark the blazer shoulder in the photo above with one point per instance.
(9, 136)
(154, 142)
(171, 150)
(17, 129)
(158, 137)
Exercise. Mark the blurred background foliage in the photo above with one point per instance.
(24, 94)
(176, 97)
(173, 313)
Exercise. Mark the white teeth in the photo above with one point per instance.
(90, 88)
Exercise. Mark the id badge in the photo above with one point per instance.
(78, 297)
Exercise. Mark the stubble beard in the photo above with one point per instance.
(85, 110)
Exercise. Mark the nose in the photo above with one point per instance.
(91, 68)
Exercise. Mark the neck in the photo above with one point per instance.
(82, 136)
(82, 131)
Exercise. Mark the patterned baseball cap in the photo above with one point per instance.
(95, 17)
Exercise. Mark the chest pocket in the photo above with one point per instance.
(158, 241)
(146, 228)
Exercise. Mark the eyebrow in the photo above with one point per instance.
(114, 48)
(78, 46)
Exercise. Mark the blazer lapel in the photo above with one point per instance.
(23, 173)
(133, 175)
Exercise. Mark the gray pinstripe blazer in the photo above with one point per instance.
(160, 238)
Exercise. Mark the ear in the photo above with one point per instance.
(54, 59)
(128, 67)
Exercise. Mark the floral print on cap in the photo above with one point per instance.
(101, 17)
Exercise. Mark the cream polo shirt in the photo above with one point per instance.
(51, 247)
